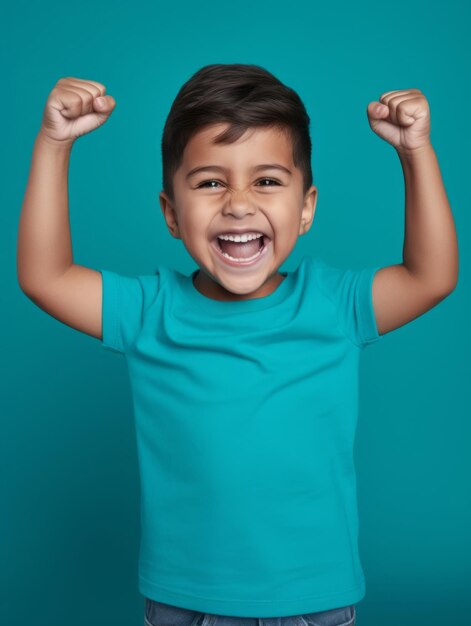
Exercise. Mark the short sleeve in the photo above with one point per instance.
(351, 291)
(122, 310)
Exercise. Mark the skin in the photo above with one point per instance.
(72, 293)
(238, 198)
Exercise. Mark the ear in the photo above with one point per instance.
(170, 214)
(309, 208)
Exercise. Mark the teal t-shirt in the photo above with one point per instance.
(245, 417)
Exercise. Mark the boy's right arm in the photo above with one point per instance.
(46, 271)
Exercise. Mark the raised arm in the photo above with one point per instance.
(46, 270)
(429, 269)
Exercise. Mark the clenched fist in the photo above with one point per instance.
(73, 108)
(402, 118)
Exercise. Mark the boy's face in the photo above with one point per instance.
(238, 197)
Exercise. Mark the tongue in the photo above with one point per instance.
(241, 250)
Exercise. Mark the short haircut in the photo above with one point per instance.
(245, 96)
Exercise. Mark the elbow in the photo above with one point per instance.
(447, 289)
(453, 284)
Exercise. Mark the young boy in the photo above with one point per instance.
(244, 378)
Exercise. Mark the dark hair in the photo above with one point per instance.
(245, 96)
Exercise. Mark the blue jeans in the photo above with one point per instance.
(160, 614)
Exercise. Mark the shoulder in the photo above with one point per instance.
(349, 290)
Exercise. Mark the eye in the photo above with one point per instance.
(207, 182)
(270, 180)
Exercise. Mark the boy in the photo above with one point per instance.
(244, 379)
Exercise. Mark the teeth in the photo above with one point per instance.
(228, 256)
(245, 237)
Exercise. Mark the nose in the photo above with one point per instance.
(238, 203)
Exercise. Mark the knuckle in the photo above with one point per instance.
(98, 86)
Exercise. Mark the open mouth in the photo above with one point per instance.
(244, 250)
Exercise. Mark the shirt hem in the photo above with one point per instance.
(110, 312)
(257, 608)
(367, 314)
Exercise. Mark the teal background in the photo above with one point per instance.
(69, 523)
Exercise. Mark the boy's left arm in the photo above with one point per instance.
(429, 271)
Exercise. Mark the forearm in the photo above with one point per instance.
(430, 244)
(44, 249)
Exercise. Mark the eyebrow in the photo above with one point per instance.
(218, 168)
